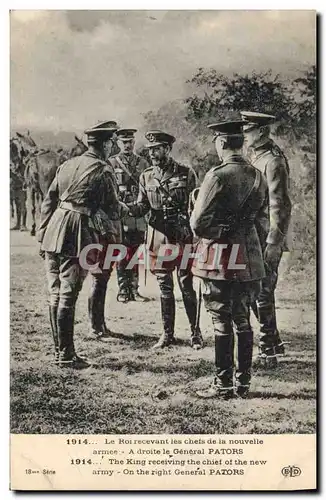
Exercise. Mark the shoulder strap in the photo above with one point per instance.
(75, 182)
(160, 186)
(126, 169)
(166, 192)
(253, 187)
(237, 216)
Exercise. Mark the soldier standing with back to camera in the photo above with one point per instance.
(110, 233)
(164, 190)
(127, 168)
(78, 210)
(265, 155)
(230, 208)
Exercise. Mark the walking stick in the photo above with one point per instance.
(199, 301)
(145, 256)
(145, 267)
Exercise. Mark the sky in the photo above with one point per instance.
(72, 69)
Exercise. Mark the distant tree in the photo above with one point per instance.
(218, 97)
(307, 88)
(304, 107)
(214, 96)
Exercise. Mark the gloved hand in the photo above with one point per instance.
(272, 255)
(192, 200)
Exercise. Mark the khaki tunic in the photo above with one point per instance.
(178, 182)
(128, 186)
(67, 232)
(271, 161)
(220, 201)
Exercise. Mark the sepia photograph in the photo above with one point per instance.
(163, 225)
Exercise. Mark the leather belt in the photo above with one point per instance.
(66, 205)
(232, 222)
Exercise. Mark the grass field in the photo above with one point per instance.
(119, 393)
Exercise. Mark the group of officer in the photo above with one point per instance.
(100, 198)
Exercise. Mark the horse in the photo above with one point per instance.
(17, 192)
(77, 150)
(41, 167)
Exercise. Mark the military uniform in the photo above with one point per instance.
(80, 208)
(17, 188)
(271, 161)
(164, 192)
(230, 209)
(99, 281)
(127, 169)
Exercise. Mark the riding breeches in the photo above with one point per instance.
(229, 305)
(65, 279)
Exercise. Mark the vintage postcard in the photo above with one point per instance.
(163, 250)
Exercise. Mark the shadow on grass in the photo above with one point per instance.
(289, 372)
(137, 338)
(276, 395)
(141, 341)
(194, 368)
(298, 363)
(285, 364)
(134, 337)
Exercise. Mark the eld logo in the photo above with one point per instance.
(291, 471)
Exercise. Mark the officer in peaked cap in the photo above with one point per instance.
(126, 134)
(230, 206)
(265, 155)
(252, 119)
(101, 129)
(96, 299)
(164, 190)
(80, 208)
(127, 168)
(158, 138)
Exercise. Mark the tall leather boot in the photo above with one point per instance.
(168, 318)
(190, 303)
(270, 343)
(18, 216)
(23, 226)
(224, 345)
(96, 308)
(243, 374)
(268, 334)
(134, 285)
(54, 328)
(65, 325)
(67, 354)
(124, 283)
(268, 350)
(222, 386)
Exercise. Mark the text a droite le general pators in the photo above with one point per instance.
(213, 456)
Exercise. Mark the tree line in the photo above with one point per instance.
(213, 96)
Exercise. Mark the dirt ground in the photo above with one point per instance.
(119, 393)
